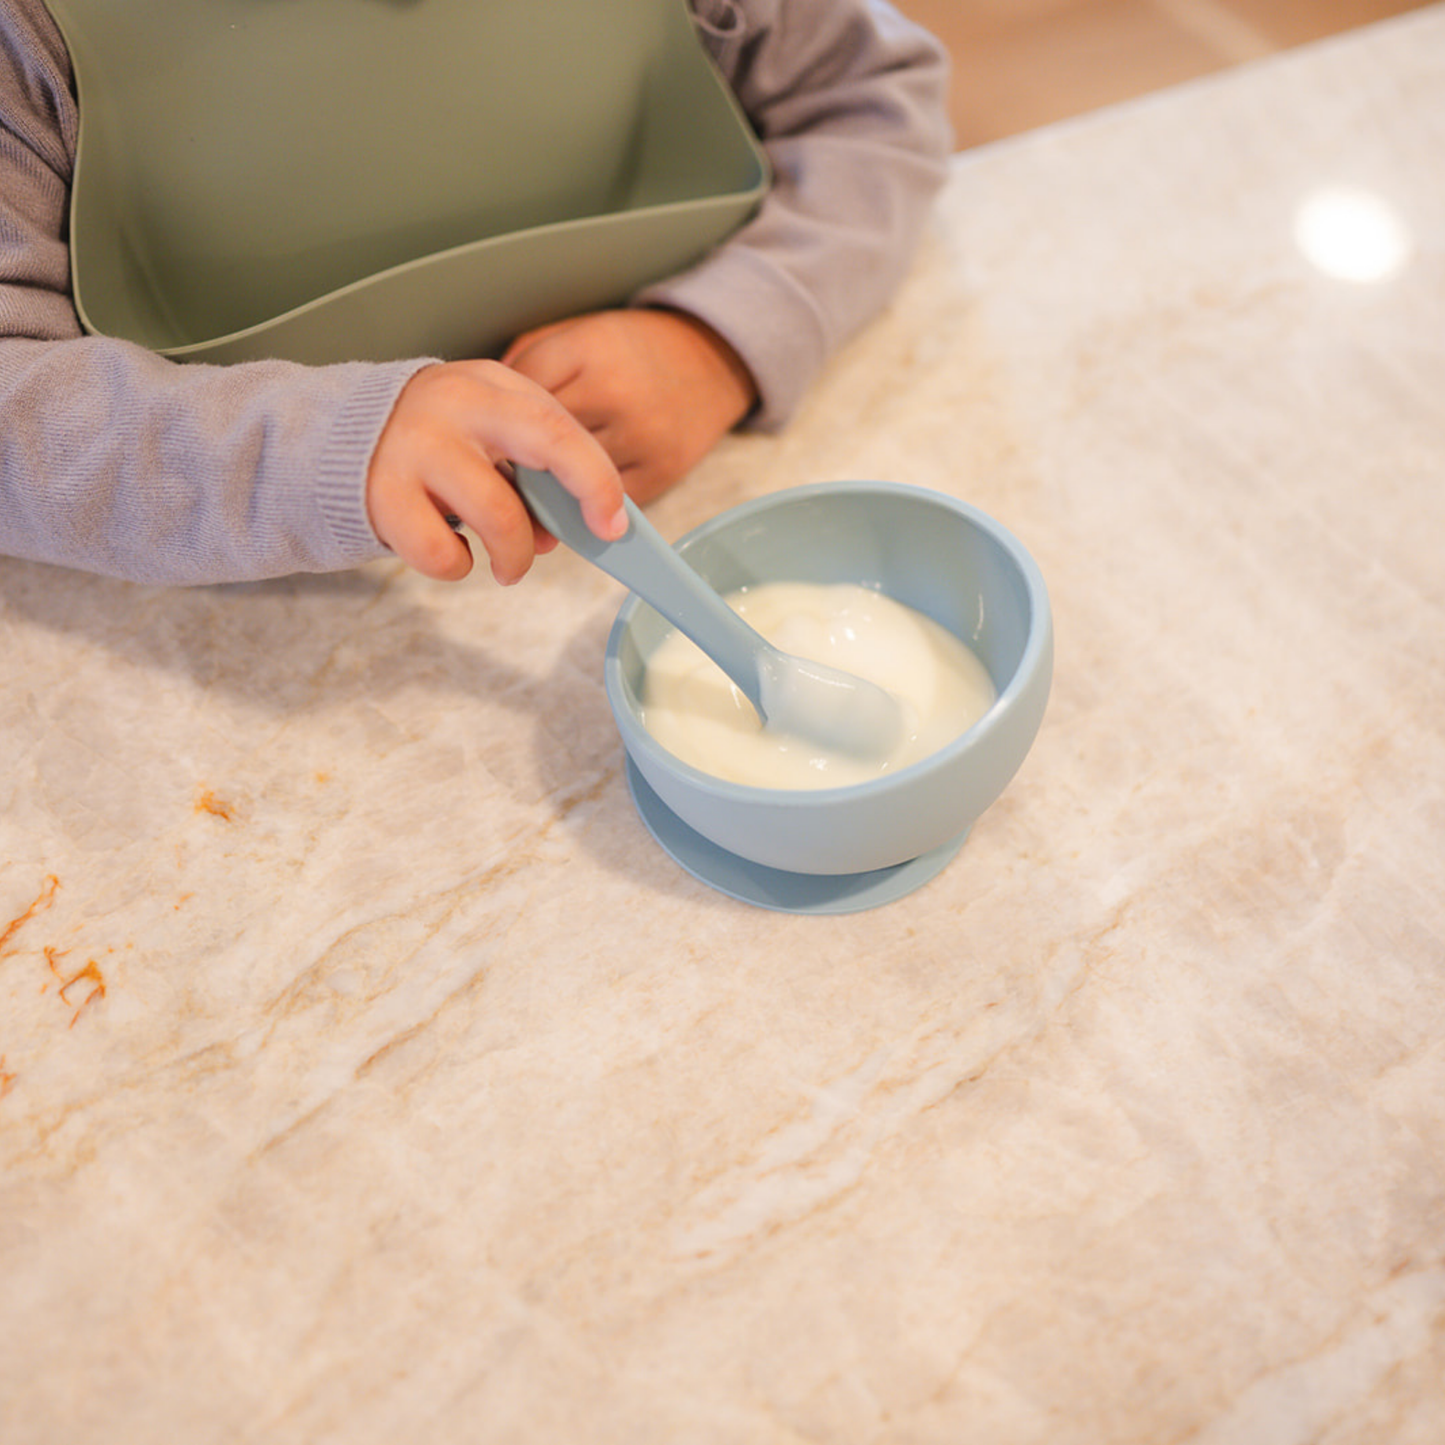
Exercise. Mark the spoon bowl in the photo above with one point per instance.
(793, 695)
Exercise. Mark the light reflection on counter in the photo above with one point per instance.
(1352, 235)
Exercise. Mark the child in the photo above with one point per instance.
(121, 462)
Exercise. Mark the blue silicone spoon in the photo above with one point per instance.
(792, 694)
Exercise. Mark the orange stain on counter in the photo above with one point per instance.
(88, 977)
(208, 802)
(42, 901)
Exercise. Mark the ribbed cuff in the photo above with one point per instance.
(341, 473)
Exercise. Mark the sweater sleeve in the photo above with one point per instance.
(849, 101)
(117, 461)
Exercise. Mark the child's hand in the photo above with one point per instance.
(437, 457)
(656, 388)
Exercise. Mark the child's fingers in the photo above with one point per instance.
(539, 432)
(506, 416)
(414, 527)
(492, 508)
(558, 358)
(438, 456)
(533, 351)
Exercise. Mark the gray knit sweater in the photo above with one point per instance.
(117, 461)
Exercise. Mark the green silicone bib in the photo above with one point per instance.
(328, 180)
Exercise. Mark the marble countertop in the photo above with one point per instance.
(367, 1073)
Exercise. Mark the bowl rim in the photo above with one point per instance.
(1037, 648)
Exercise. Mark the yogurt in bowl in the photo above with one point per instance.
(698, 714)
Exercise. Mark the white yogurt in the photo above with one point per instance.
(698, 714)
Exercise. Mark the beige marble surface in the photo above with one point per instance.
(367, 1073)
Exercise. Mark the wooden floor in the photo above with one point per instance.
(1024, 63)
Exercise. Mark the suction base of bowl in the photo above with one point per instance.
(775, 887)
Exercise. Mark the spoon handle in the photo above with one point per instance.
(644, 561)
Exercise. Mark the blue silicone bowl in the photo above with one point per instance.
(930, 551)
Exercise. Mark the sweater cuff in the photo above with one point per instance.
(341, 471)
